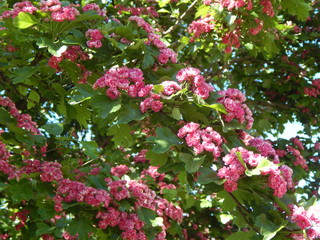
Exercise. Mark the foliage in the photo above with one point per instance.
(146, 119)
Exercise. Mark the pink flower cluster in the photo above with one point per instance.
(233, 100)
(128, 222)
(138, 10)
(299, 158)
(195, 80)
(230, 4)
(154, 39)
(313, 91)
(119, 170)
(50, 5)
(94, 7)
(307, 219)
(297, 142)
(141, 156)
(280, 178)
(65, 14)
(233, 169)
(4, 153)
(257, 29)
(18, 7)
(142, 23)
(203, 25)
(95, 37)
(267, 7)
(24, 120)
(201, 139)
(131, 81)
(265, 148)
(49, 171)
(170, 87)
(231, 39)
(152, 172)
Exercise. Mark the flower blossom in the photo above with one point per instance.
(196, 81)
(201, 139)
(233, 100)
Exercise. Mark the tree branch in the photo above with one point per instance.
(175, 25)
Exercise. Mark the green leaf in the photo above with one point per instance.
(90, 149)
(207, 175)
(124, 31)
(82, 227)
(251, 235)
(157, 159)
(217, 106)
(83, 115)
(298, 8)
(267, 228)
(163, 140)
(131, 112)
(55, 49)
(21, 190)
(22, 74)
(104, 105)
(311, 202)
(202, 11)
(24, 20)
(121, 135)
(204, 203)
(192, 164)
(53, 128)
(263, 164)
(43, 229)
(146, 215)
(149, 55)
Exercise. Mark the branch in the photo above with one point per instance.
(173, 27)
(242, 208)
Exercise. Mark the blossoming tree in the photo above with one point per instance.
(148, 119)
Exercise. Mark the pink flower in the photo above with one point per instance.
(94, 44)
(119, 171)
(113, 93)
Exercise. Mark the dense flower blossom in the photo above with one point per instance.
(265, 148)
(280, 179)
(267, 7)
(196, 81)
(170, 87)
(203, 25)
(231, 39)
(166, 54)
(65, 14)
(110, 214)
(138, 10)
(297, 142)
(141, 156)
(201, 139)
(230, 4)
(94, 36)
(24, 120)
(233, 100)
(25, 6)
(119, 170)
(142, 23)
(50, 5)
(299, 158)
(95, 7)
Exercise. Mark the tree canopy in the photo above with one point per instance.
(150, 119)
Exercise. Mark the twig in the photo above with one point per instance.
(173, 27)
